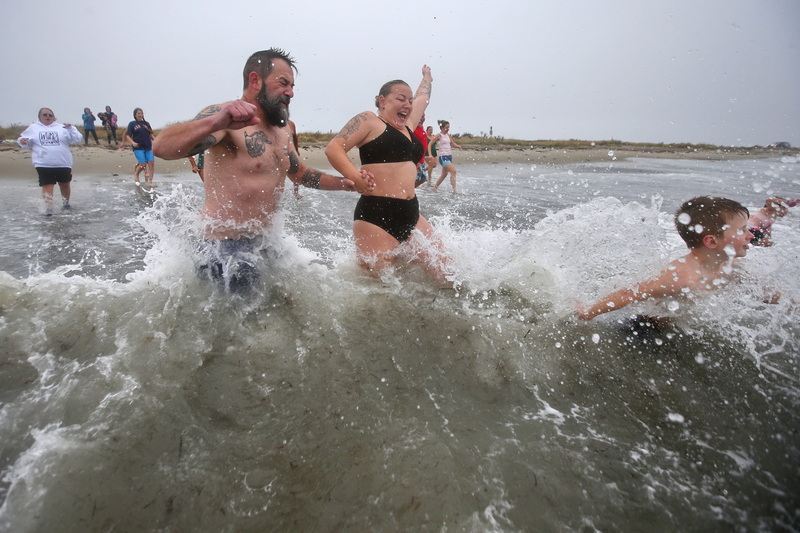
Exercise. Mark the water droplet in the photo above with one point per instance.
(684, 219)
(595, 338)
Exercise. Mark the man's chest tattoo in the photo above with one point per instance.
(256, 143)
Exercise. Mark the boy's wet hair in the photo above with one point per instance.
(261, 63)
(705, 215)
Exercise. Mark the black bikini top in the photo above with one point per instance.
(392, 146)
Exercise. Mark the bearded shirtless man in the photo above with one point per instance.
(249, 154)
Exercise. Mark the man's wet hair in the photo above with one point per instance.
(261, 63)
(705, 215)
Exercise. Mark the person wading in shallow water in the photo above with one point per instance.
(715, 231)
(52, 158)
(140, 134)
(388, 216)
(444, 145)
(249, 153)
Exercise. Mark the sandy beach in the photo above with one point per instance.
(103, 161)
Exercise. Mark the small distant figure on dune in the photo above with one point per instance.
(760, 222)
(49, 141)
(88, 126)
(102, 117)
(140, 134)
(422, 167)
(444, 146)
(197, 166)
(715, 230)
(431, 155)
(109, 120)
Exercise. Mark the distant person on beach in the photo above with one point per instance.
(250, 152)
(422, 168)
(102, 116)
(760, 222)
(88, 126)
(715, 230)
(388, 216)
(49, 141)
(197, 166)
(444, 146)
(430, 154)
(140, 134)
(109, 119)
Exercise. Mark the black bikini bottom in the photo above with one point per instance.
(396, 216)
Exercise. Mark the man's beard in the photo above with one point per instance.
(276, 113)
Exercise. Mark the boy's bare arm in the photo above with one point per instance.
(669, 283)
(615, 300)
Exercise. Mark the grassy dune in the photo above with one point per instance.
(472, 142)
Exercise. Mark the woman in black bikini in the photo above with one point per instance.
(388, 215)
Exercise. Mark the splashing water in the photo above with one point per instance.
(135, 396)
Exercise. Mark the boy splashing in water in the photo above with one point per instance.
(715, 230)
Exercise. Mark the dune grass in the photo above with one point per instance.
(499, 143)
(11, 132)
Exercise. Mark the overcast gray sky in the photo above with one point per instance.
(708, 71)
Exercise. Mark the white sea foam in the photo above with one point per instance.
(135, 395)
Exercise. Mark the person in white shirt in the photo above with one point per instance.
(49, 141)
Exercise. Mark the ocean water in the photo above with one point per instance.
(136, 397)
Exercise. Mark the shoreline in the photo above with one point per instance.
(105, 161)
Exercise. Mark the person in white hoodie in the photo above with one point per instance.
(49, 142)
